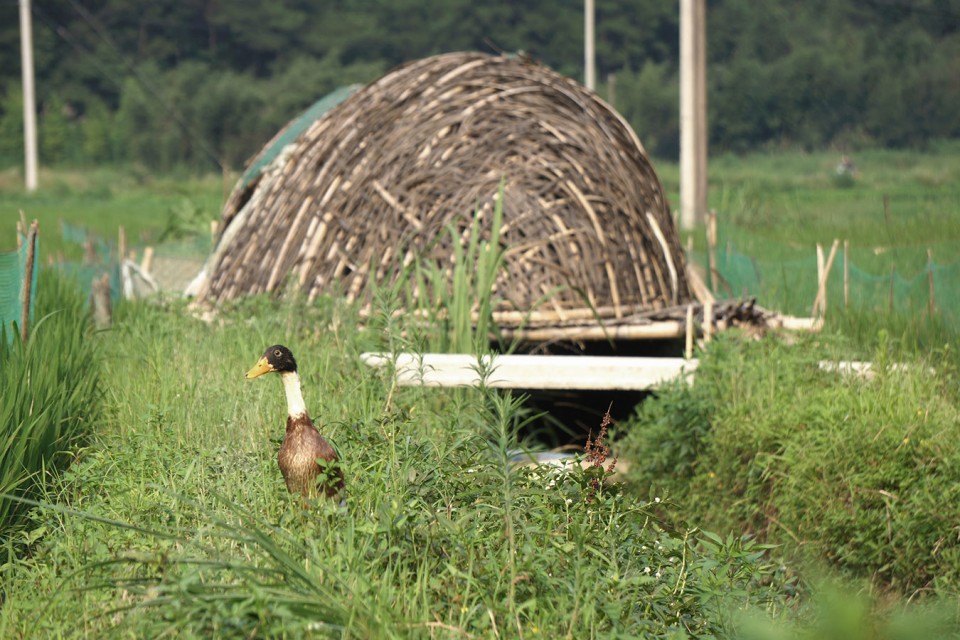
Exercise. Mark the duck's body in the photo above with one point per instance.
(307, 461)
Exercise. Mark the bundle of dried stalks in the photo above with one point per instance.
(398, 171)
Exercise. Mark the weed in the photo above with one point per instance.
(596, 454)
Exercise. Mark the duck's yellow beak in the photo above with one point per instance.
(259, 369)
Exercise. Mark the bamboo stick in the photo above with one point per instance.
(697, 286)
(28, 281)
(820, 263)
(100, 302)
(712, 249)
(147, 261)
(820, 302)
(688, 348)
(707, 320)
(654, 331)
(121, 243)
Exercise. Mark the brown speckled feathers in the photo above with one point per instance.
(302, 447)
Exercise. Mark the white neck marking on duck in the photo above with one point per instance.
(291, 385)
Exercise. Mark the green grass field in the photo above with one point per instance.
(101, 201)
(172, 518)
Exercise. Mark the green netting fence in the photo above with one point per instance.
(897, 280)
(13, 266)
(101, 257)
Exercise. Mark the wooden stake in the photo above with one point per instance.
(820, 302)
(28, 281)
(931, 302)
(688, 350)
(846, 274)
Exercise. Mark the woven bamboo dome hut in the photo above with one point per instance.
(401, 168)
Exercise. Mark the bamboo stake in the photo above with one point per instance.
(846, 274)
(707, 320)
(28, 281)
(688, 350)
(820, 302)
(100, 302)
(712, 249)
(696, 284)
(122, 243)
(932, 303)
(819, 263)
(147, 261)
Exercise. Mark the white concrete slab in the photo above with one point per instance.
(534, 371)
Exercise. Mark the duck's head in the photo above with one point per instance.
(276, 359)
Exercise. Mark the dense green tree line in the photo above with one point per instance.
(206, 82)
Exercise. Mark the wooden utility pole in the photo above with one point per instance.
(589, 59)
(693, 113)
(29, 101)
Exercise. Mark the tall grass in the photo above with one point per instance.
(441, 535)
(51, 394)
(454, 302)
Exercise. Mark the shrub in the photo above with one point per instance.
(857, 473)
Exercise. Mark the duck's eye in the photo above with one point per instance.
(277, 353)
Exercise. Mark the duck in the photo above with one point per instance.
(305, 454)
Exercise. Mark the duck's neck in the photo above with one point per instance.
(296, 409)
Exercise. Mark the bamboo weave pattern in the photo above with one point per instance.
(384, 176)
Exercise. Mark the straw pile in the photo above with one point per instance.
(385, 176)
